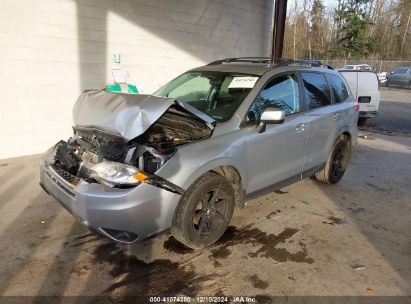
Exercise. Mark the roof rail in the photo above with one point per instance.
(313, 63)
(242, 59)
(276, 61)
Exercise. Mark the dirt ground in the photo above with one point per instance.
(349, 239)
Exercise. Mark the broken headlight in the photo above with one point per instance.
(117, 174)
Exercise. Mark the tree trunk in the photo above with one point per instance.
(295, 28)
(405, 33)
(309, 48)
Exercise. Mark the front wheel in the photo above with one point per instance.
(204, 211)
(337, 162)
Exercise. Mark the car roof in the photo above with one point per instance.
(258, 65)
(252, 69)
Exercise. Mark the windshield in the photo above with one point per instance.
(214, 93)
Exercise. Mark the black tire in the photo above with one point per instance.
(204, 211)
(337, 161)
(362, 121)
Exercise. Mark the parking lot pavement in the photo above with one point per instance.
(394, 113)
(353, 238)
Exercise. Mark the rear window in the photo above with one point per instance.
(338, 88)
(316, 90)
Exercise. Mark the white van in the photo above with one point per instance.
(365, 87)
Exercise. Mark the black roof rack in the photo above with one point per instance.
(275, 61)
(242, 59)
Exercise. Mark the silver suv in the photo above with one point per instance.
(184, 157)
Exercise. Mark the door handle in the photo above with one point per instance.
(336, 115)
(300, 127)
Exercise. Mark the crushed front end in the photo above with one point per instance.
(109, 182)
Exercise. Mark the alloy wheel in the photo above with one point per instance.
(211, 213)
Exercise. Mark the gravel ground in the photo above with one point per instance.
(394, 113)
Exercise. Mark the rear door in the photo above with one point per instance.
(322, 117)
(398, 77)
(404, 79)
(342, 102)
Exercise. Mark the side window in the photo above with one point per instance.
(338, 87)
(316, 90)
(280, 92)
(400, 71)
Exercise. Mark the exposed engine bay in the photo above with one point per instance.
(148, 152)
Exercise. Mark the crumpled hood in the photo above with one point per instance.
(127, 115)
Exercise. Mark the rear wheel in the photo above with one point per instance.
(337, 162)
(204, 211)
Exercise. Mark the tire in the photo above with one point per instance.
(362, 121)
(337, 162)
(204, 211)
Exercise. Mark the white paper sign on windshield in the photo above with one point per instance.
(246, 82)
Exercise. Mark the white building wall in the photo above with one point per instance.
(50, 50)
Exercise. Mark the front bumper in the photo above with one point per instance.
(124, 215)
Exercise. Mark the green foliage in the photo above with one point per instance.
(352, 38)
(348, 29)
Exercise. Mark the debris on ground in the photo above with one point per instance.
(279, 265)
(366, 137)
(379, 227)
(370, 291)
(358, 267)
(336, 221)
(3, 165)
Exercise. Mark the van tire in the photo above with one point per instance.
(192, 216)
(337, 161)
(362, 121)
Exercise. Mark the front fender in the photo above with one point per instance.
(187, 174)
(192, 161)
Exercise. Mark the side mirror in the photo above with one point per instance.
(270, 116)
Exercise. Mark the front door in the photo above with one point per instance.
(278, 153)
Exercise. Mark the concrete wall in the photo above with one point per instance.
(50, 50)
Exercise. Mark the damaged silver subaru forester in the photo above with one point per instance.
(184, 157)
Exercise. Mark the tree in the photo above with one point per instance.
(316, 34)
(352, 36)
(353, 29)
(404, 10)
